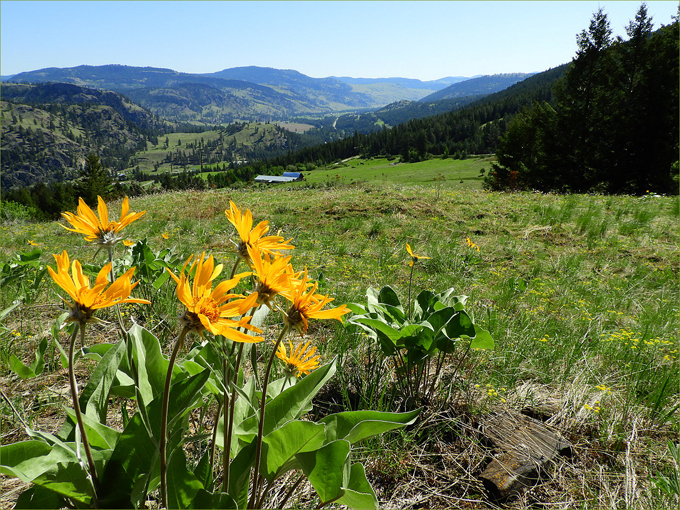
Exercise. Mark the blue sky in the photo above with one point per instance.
(412, 39)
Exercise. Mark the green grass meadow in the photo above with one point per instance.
(579, 292)
(441, 173)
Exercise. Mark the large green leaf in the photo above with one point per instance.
(153, 360)
(356, 308)
(418, 341)
(130, 465)
(379, 325)
(280, 446)
(293, 402)
(69, 480)
(39, 498)
(182, 483)
(358, 493)
(327, 469)
(137, 353)
(440, 318)
(426, 300)
(241, 466)
(482, 339)
(204, 471)
(460, 325)
(388, 296)
(28, 460)
(94, 399)
(215, 501)
(184, 396)
(99, 435)
(244, 408)
(35, 368)
(448, 298)
(290, 404)
(354, 426)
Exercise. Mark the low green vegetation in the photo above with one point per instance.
(578, 292)
(443, 173)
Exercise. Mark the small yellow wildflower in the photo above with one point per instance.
(301, 360)
(414, 257)
(471, 244)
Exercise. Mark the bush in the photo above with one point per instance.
(12, 211)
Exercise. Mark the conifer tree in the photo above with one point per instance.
(95, 180)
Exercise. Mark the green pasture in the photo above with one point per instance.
(579, 292)
(441, 173)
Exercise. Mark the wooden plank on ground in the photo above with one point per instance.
(527, 448)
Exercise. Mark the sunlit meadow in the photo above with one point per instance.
(579, 294)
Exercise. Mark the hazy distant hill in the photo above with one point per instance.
(409, 83)
(240, 93)
(475, 86)
(181, 96)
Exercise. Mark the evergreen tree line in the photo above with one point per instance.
(613, 124)
(43, 202)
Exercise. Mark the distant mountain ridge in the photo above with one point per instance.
(240, 93)
(488, 84)
(407, 82)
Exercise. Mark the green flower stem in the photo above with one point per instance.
(410, 279)
(76, 407)
(258, 448)
(225, 456)
(214, 436)
(220, 406)
(113, 279)
(233, 269)
(229, 424)
(164, 417)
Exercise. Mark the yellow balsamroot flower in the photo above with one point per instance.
(300, 361)
(86, 299)
(273, 276)
(100, 230)
(254, 237)
(306, 304)
(471, 244)
(210, 309)
(414, 258)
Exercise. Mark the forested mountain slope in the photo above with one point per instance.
(477, 86)
(48, 130)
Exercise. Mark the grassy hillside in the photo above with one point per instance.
(578, 292)
(238, 142)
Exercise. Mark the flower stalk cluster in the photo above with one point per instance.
(214, 309)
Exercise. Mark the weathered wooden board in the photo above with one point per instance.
(527, 447)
